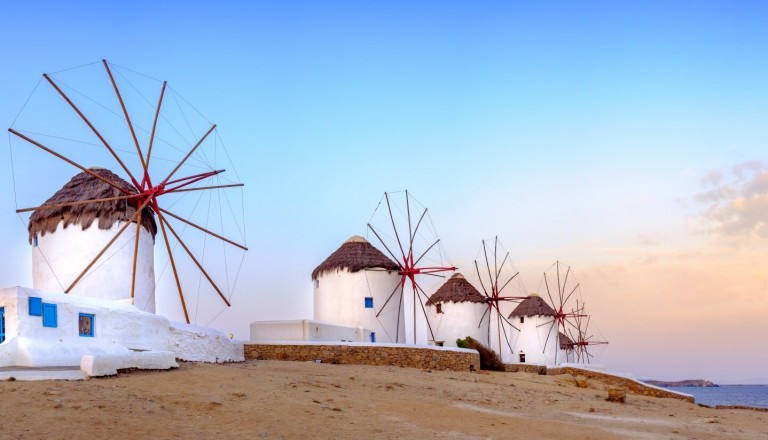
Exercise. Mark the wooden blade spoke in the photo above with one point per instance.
(175, 272)
(398, 285)
(569, 295)
(192, 256)
(192, 150)
(546, 284)
(508, 322)
(95, 131)
(426, 251)
(127, 117)
(487, 309)
(410, 230)
(397, 260)
(154, 126)
(195, 177)
(135, 255)
(69, 161)
(508, 281)
(75, 203)
(477, 268)
(426, 319)
(108, 245)
(494, 287)
(233, 243)
(565, 282)
(394, 226)
(549, 333)
(203, 188)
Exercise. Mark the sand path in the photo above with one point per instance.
(273, 400)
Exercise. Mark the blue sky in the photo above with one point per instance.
(573, 131)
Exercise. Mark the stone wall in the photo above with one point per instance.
(625, 383)
(435, 358)
(526, 368)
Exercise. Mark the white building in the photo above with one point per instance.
(457, 310)
(96, 327)
(534, 338)
(65, 240)
(356, 283)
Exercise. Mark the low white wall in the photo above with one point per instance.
(202, 344)
(119, 330)
(307, 330)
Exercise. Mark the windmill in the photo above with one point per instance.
(563, 291)
(404, 228)
(499, 280)
(168, 159)
(582, 338)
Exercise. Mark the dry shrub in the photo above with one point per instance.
(489, 360)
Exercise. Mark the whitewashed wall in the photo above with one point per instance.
(458, 321)
(61, 256)
(339, 298)
(307, 330)
(532, 339)
(120, 329)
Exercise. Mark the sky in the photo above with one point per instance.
(627, 140)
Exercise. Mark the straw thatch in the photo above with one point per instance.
(355, 255)
(532, 306)
(566, 343)
(457, 289)
(86, 187)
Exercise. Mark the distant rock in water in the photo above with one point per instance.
(682, 383)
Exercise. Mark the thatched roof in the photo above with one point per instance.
(457, 289)
(532, 306)
(355, 255)
(86, 187)
(566, 343)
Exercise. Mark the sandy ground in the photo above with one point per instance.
(274, 400)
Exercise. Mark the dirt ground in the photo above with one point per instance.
(276, 400)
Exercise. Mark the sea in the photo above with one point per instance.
(747, 395)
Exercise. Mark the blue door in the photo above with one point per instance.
(2, 324)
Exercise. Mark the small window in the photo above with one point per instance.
(439, 307)
(2, 324)
(34, 240)
(86, 324)
(522, 358)
(522, 319)
(373, 336)
(50, 318)
(35, 306)
(317, 284)
(368, 302)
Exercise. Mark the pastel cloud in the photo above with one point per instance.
(736, 203)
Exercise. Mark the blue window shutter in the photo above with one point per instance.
(2, 324)
(368, 302)
(373, 336)
(35, 306)
(50, 318)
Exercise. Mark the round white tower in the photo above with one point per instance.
(456, 310)
(536, 342)
(353, 284)
(66, 239)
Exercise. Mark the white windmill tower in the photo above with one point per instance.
(66, 236)
(531, 331)
(352, 283)
(456, 310)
